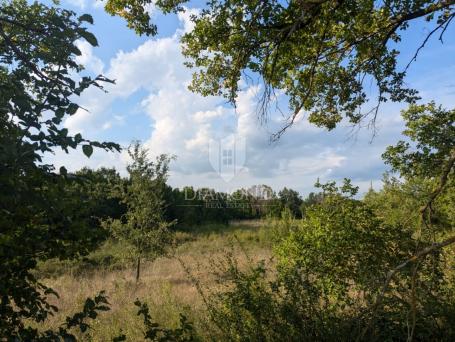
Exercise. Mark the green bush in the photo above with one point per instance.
(328, 282)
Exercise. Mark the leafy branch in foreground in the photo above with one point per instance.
(432, 130)
(323, 55)
(185, 331)
(39, 220)
(77, 322)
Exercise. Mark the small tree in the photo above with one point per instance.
(144, 226)
(291, 199)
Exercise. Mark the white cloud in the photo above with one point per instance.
(85, 117)
(183, 123)
(152, 66)
(88, 59)
(203, 116)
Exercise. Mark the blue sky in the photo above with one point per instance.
(150, 102)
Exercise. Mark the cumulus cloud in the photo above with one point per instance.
(91, 62)
(153, 81)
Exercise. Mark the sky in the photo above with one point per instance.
(150, 102)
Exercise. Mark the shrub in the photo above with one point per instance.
(329, 282)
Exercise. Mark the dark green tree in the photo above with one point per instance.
(97, 192)
(38, 220)
(291, 199)
(190, 207)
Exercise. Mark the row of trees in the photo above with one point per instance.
(190, 206)
(101, 191)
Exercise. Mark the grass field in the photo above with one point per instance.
(165, 285)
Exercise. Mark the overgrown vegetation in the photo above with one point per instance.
(372, 269)
(331, 267)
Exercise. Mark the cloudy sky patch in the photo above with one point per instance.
(150, 101)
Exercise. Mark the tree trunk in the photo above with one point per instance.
(138, 269)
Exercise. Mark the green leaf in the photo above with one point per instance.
(76, 50)
(88, 150)
(87, 18)
(78, 138)
(72, 108)
(63, 171)
(89, 37)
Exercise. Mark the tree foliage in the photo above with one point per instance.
(190, 207)
(431, 150)
(97, 192)
(330, 272)
(322, 54)
(144, 227)
(39, 219)
(291, 199)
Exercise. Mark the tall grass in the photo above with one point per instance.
(164, 286)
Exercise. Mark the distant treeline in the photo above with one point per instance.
(99, 193)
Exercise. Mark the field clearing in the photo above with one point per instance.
(165, 285)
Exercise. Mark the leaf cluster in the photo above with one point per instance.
(323, 55)
(39, 219)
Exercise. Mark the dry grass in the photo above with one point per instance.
(164, 284)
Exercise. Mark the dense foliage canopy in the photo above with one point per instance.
(39, 220)
(321, 54)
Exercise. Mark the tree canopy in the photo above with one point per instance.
(321, 54)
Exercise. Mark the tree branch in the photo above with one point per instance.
(21, 56)
(424, 252)
(442, 181)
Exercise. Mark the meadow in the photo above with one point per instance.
(166, 285)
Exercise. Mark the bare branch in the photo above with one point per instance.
(444, 23)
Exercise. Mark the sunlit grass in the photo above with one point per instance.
(165, 285)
